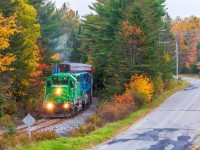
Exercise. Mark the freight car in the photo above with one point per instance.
(67, 89)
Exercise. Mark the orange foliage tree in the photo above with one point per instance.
(7, 28)
(37, 77)
(131, 36)
(141, 83)
(187, 35)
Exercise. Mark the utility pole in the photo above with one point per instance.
(176, 59)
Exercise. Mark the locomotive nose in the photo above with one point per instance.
(58, 91)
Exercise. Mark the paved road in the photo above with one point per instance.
(174, 125)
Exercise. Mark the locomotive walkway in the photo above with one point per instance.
(174, 125)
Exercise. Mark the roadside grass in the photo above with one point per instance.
(190, 75)
(102, 134)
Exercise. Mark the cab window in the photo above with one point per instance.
(64, 81)
(55, 81)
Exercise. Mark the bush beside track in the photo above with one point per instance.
(85, 140)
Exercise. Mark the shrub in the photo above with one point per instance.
(82, 130)
(119, 108)
(10, 130)
(125, 98)
(3, 144)
(9, 108)
(170, 83)
(45, 135)
(111, 90)
(95, 120)
(127, 103)
(141, 83)
(140, 98)
(24, 140)
(74, 133)
(158, 84)
(109, 112)
(7, 122)
(12, 141)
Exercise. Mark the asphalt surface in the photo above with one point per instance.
(174, 125)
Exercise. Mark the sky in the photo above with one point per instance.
(182, 8)
(78, 5)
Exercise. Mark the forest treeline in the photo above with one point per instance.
(121, 39)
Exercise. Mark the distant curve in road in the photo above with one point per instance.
(174, 125)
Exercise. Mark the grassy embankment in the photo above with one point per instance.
(105, 133)
(190, 75)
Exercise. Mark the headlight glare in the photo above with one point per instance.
(66, 105)
(58, 91)
(49, 105)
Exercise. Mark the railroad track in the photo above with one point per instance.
(41, 124)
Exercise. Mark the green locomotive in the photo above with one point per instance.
(68, 89)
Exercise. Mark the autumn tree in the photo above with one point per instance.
(7, 29)
(187, 35)
(50, 22)
(131, 37)
(141, 84)
(23, 47)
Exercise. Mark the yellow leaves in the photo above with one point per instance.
(90, 60)
(70, 19)
(132, 33)
(141, 83)
(22, 93)
(130, 29)
(24, 82)
(7, 28)
(36, 73)
(5, 62)
(198, 65)
(56, 56)
(166, 57)
(4, 43)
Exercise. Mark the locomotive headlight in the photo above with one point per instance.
(66, 105)
(58, 91)
(49, 105)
